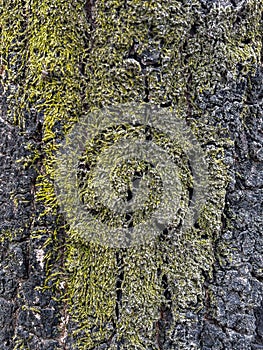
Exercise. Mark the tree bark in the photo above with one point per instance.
(61, 60)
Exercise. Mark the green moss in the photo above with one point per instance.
(6, 236)
(62, 66)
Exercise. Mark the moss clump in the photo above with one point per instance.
(5, 237)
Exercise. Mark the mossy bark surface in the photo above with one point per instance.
(61, 60)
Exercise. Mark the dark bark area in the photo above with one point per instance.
(233, 311)
(26, 315)
(227, 311)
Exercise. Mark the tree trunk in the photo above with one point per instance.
(200, 288)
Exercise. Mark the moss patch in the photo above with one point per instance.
(62, 62)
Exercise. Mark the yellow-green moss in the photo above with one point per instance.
(46, 43)
(6, 236)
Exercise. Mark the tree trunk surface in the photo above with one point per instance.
(200, 289)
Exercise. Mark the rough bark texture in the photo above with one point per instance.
(60, 61)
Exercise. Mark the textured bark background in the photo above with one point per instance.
(63, 59)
